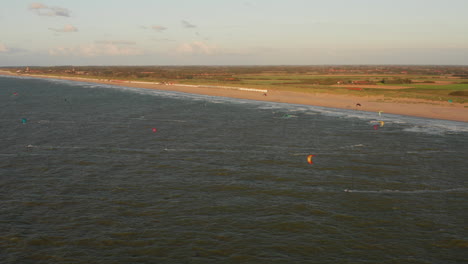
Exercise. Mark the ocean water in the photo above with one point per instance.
(94, 173)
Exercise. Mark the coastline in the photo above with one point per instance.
(400, 106)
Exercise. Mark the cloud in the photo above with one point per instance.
(99, 48)
(43, 10)
(197, 47)
(204, 49)
(66, 28)
(158, 28)
(115, 42)
(187, 24)
(37, 6)
(162, 39)
(8, 50)
(3, 48)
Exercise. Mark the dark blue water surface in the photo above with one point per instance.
(84, 179)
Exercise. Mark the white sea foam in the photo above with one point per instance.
(353, 146)
(452, 190)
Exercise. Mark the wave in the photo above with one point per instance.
(438, 129)
(453, 190)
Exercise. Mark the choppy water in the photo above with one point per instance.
(86, 180)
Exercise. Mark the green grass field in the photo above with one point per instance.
(456, 90)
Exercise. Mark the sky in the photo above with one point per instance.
(233, 32)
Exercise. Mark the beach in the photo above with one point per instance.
(400, 106)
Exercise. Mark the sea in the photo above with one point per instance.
(94, 173)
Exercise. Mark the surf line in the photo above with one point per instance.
(408, 191)
(158, 83)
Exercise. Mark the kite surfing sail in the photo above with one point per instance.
(309, 159)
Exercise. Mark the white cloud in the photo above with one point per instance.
(162, 39)
(197, 47)
(158, 28)
(187, 24)
(9, 50)
(99, 48)
(115, 42)
(203, 48)
(44, 10)
(37, 6)
(4, 48)
(66, 28)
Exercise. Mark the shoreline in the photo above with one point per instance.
(399, 106)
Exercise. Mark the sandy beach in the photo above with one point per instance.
(401, 106)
